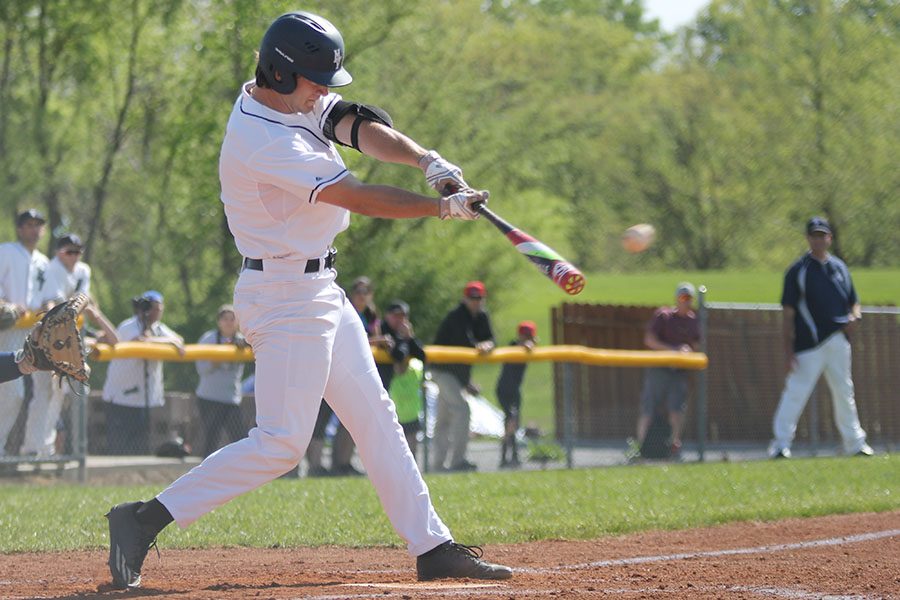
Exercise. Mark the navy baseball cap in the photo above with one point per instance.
(397, 306)
(152, 296)
(817, 224)
(69, 240)
(29, 214)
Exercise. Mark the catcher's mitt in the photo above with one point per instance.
(55, 344)
(9, 314)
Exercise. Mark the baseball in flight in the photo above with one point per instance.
(638, 238)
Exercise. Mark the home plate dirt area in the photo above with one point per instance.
(842, 557)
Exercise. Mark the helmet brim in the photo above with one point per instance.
(338, 78)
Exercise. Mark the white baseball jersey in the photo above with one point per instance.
(22, 275)
(272, 167)
(126, 378)
(61, 284)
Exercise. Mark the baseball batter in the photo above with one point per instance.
(287, 194)
(821, 310)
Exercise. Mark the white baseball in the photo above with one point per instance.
(638, 238)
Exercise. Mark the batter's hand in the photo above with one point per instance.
(460, 204)
(440, 174)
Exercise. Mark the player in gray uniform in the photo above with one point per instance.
(287, 195)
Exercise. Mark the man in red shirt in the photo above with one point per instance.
(672, 328)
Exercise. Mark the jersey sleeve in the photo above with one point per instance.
(852, 298)
(790, 294)
(323, 107)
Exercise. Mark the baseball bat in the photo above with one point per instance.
(546, 259)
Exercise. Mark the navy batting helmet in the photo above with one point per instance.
(301, 43)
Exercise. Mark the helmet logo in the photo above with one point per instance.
(338, 57)
(283, 55)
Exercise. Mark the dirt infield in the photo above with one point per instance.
(846, 557)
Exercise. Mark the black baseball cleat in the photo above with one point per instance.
(456, 561)
(129, 542)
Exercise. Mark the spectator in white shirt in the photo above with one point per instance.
(22, 280)
(64, 277)
(219, 390)
(134, 386)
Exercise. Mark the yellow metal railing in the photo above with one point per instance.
(436, 354)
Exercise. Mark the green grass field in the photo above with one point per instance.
(536, 296)
(479, 508)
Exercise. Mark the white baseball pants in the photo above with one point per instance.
(833, 358)
(310, 343)
(12, 393)
(43, 414)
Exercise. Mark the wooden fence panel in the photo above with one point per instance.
(744, 379)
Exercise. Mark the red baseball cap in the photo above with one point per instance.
(528, 327)
(474, 289)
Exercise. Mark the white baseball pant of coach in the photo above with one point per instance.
(833, 357)
(310, 343)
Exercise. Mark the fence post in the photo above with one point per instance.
(80, 444)
(702, 379)
(814, 424)
(568, 411)
(426, 442)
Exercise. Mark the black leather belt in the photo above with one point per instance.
(313, 265)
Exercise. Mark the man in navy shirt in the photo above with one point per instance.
(821, 311)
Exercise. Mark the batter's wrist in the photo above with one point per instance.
(428, 158)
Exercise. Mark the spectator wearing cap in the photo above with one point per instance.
(821, 311)
(399, 338)
(468, 325)
(66, 273)
(219, 390)
(134, 386)
(509, 394)
(22, 279)
(404, 384)
(666, 389)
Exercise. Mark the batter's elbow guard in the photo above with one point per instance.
(361, 113)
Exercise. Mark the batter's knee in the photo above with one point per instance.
(278, 449)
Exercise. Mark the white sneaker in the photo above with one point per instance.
(865, 450)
